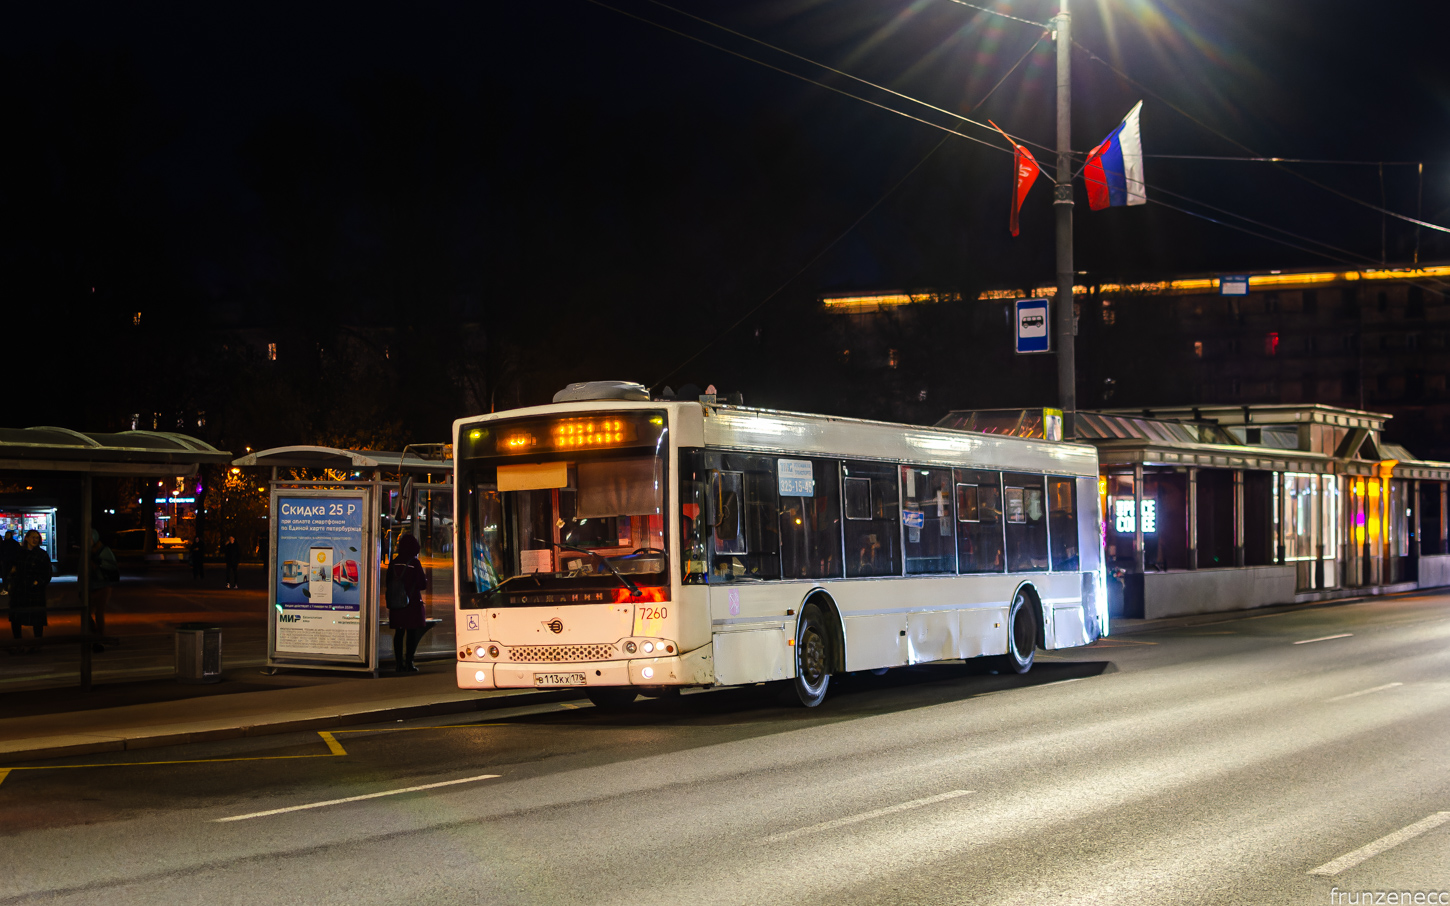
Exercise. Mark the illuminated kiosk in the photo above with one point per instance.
(334, 517)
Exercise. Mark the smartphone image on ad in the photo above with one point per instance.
(319, 575)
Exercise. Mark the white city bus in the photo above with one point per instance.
(635, 546)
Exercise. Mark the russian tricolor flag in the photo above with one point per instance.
(1114, 170)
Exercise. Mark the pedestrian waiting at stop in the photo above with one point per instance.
(28, 576)
(233, 553)
(9, 548)
(406, 617)
(105, 573)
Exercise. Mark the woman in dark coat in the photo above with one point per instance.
(29, 574)
(408, 623)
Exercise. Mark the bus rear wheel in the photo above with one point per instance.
(812, 658)
(1021, 635)
(611, 698)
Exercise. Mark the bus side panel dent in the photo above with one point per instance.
(753, 656)
(933, 636)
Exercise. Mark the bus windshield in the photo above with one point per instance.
(565, 525)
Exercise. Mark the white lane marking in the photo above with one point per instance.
(1349, 860)
(867, 816)
(1324, 638)
(1340, 698)
(410, 789)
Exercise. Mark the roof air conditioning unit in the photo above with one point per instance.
(602, 390)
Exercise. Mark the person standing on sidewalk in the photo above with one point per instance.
(105, 572)
(9, 548)
(233, 552)
(411, 622)
(28, 576)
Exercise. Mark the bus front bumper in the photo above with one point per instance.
(693, 668)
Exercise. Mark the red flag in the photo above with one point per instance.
(1024, 174)
(1026, 169)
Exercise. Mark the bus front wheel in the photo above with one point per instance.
(812, 657)
(1021, 635)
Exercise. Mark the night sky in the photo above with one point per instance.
(555, 191)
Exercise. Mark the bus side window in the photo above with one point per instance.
(743, 518)
(1026, 517)
(979, 522)
(872, 527)
(694, 569)
(927, 520)
(1062, 522)
(810, 527)
(726, 490)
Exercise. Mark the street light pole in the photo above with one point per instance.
(1062, 205)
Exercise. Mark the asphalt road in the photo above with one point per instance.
(1222, 763)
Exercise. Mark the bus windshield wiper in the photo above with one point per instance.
(633, 589)
(488, 593)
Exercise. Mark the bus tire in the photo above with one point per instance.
(611, 698)
(812, 657)
(1021, 634)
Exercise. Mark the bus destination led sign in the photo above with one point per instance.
(569, 434)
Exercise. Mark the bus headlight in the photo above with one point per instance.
(630, 647)
(648, 647)
(493, 651)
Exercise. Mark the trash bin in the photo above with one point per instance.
(198, 653)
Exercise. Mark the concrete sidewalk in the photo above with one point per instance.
(282, 710)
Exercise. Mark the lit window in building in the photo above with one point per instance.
(891, 358)
(1109, 316)
(1123, 522)
(136, 319)
(1198, 348)
(271, 352)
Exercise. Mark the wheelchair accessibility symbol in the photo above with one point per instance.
(473, 621)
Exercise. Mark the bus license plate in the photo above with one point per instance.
(558, 679)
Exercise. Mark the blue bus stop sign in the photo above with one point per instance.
(1233, 285)
(1032, 326)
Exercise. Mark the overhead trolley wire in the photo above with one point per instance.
(796, 75)
(854, 78)
(855, 223)
(994, 12)
(1291, 160)
(1276, 162)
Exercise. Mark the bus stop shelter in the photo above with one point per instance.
(56, 452)
(398, 492)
